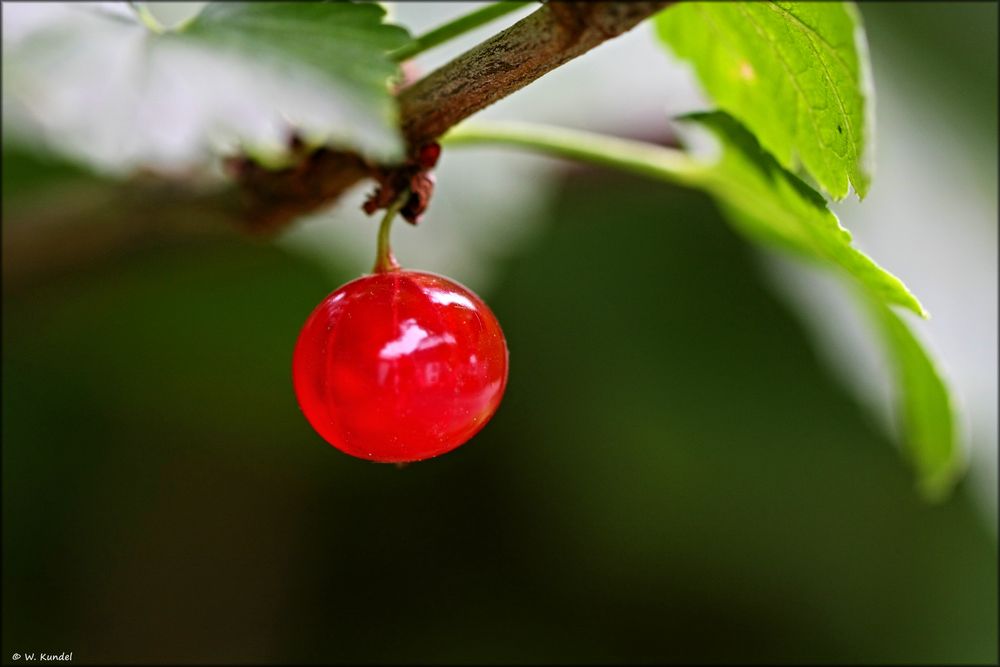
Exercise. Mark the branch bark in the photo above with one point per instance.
(539, 43)
(546, 39)
(264, 201)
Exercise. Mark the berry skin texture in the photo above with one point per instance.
(400, 366)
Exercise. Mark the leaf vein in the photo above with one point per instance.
(851, 144)
(803, 100)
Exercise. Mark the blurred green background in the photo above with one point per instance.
(674, 474)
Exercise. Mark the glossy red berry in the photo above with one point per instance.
(400, 366)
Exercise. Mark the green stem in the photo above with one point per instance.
(147, 18)
(637, 157)
(384, 259)
(452, 29)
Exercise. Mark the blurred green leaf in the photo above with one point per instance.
(109, 85)
(27, 172)
(925, 407)
(772, 205)
(795, 74)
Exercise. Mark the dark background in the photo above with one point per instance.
(673, 474)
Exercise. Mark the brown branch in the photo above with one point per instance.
(268, 200)
(539, 43)
(505, 63)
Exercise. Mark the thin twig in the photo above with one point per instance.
(452, 29)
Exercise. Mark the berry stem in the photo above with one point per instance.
(384, 259)
(638, 157)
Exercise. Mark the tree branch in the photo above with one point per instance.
(546, 39)
(265, 201)
(268, 200)
(539, 43)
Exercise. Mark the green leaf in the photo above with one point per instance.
(796, 74)
(925, 407)
(772, 205)
(109, 85)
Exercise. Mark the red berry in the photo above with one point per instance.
(400, 366)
